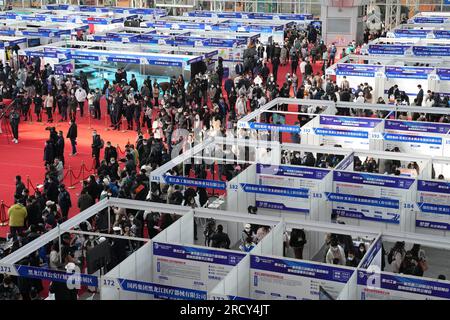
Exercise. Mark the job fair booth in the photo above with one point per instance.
(40, 33)
(102, 62)
(172, 265)
(97, 21)
(230, 50)
(368, 127)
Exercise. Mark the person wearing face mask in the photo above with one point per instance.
(361, 251)
(110, 152)
(113, 169)
(335, 253)
(352, 260)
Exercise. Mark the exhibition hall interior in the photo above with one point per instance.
(225, 150)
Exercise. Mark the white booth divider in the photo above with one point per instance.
(182, 264)
(198, 273)
(114, 284)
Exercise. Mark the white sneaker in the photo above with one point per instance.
(16, 141)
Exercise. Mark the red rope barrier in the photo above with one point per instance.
(120, 150)
(80, 173)
(70, 174)
(30, 184)
(67, 173)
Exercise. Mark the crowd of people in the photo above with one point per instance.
(167, 117)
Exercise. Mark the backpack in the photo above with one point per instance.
(294, 240)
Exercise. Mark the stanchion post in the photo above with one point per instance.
(82, 170)
(106, 122)
(123, 125)
(71, 186)
(2, 214)
(28, 182)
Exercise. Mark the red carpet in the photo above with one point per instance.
(26, 157)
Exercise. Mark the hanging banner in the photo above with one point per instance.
(292, 171)
(335, 134)
(430, 20)
(410, 33)
(52, 275)
(273, 127)
(283, 279)
(191, 267)
(433, 199)
(370, 197)
(431, 51)
(417, 126)
(359, 70)
(286, 188)
(388, 49)
(160, 291)
(430, 145)
(441, 34)
(349, 121)
(64, 68)
(407, 72)
(397, 287)
(193, 182)
(443, 74)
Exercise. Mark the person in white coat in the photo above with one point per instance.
(335, 254)
(241, 106)
(81, 96)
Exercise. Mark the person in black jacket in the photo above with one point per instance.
(297, 241)
(49, 153)
(64, 201)
(72, 135)
(275, 65)
(220, 239)
(110, 152)
(419, 98)
(14, 119)
(96, 146)
(59, 147)
(38, 104)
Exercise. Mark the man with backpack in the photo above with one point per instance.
(220, 239)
